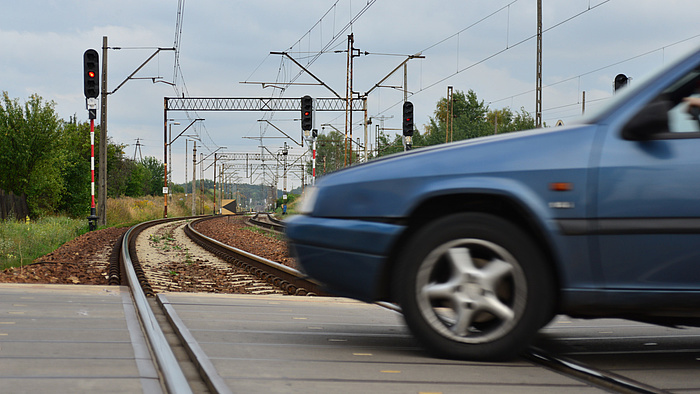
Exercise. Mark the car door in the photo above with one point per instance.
(648, 205)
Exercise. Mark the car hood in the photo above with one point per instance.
(391, 186)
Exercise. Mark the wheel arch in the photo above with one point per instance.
(444, 205)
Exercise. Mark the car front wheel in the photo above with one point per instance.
(474, 286)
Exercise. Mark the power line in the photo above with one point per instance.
(601, 68)
(470, 26)
(491, 56)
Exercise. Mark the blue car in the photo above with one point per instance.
(482, 242)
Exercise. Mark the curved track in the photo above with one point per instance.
(126, 269)
(290, 280)
(173, 377)
(266, 220)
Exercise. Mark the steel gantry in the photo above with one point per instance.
(256, 165)
(256, 104)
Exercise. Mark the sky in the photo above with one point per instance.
(225, 51)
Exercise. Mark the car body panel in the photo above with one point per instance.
(624, 239)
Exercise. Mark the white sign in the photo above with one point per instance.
(165, 190)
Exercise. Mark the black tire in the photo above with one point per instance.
(474, 286)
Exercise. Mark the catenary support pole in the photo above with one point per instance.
(102, 190)
(165, 159)
(194, 178)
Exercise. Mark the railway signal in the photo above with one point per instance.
(408, 119)
(408, 125)
(307, 113)
(620, 81)
(91, 76)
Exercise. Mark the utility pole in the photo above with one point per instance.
(102, 187)
(449, 122)
(405, 82)
(214, 184)
(194, 177)
(538, 94)
(348, 100)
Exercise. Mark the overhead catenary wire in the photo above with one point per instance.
(602, 68)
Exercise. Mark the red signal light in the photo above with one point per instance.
(91, 74)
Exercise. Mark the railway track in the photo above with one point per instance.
(166, 331)
(266, 220)
(125, 268)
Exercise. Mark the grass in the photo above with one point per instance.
(128, 211)
(21, 243)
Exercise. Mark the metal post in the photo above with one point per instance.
(102, 191)
(450, 115)
(364, 109)
(348, 100)
(165, 159)
(214, 183)
(194, 177)
(405, 82)
(170, 158)
(538, 94)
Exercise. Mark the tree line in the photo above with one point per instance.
(472, 118)
(47, 160)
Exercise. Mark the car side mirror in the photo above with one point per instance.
(651, 120)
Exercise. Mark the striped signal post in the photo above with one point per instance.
(92, 219)
(91, 88)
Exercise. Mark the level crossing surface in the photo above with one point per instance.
(72, 339)
(86, 339)
(287, 344)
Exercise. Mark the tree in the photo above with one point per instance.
(472, 118)
(28, 135)
(119, 169)
(505, 121)
(469, 115)
(74, 146)
(155, 173)
(330, 153)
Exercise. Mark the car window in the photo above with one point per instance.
(680, 121)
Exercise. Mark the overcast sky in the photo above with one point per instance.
(485, 46)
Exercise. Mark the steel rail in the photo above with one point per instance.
(173, 377)
(604, 379)
(272, 224)
(291, 280)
